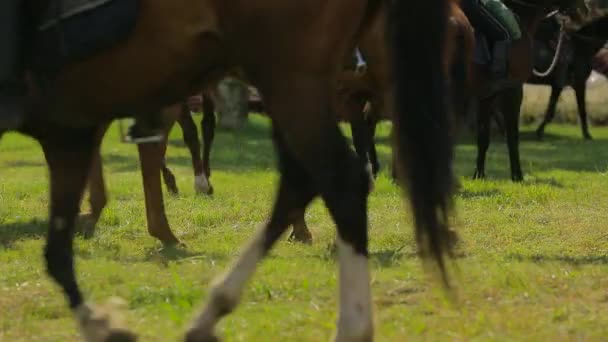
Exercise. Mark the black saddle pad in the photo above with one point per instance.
(481, 54)
(74, 30)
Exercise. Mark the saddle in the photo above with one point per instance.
(74, 30)
(487, 52)
(482, 54)
(494, 55)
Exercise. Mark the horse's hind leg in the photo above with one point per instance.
(511, 107)
(580, 90)
(556, 91)
(363, 136)
(151, 160)
(208, 132)
(69, 155)
(294, 194)
(300, 232)
(97, 197)
(483, 136)
(313, 156)
(372, 122)
(168, 176)
(191, 140)
(97, 191)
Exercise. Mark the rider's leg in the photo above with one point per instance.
(498, 24)
(501, 35)
(12, 87)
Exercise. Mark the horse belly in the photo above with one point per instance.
(153, 68)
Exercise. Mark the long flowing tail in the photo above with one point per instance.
(422, 132)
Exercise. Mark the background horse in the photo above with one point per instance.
(177, 47)
(506, 95)
(574, 69)
(372, 86)
(153, 164)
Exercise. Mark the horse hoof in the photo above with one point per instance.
(171, 184)
(301, 237)
(518, 178)
(172, 243)
(479, 175)
(453, 239)
(588, 137)
(202, 186)
(372, 184)
(121, 336)
(104, 323)
(86, 224)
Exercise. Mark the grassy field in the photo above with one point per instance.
(533, 264)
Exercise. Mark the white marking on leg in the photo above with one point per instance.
(355, 322)
(201, 184)
(93, 326)
(97, 323)
(227, 289)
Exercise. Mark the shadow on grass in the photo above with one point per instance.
(392, 257)
(180, 253)
(555, 152)
(565, 259)
(250, 149)
(468, 194)
(23, 163)
(14, 232)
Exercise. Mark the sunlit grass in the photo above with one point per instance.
(533, 264)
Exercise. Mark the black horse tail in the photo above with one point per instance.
(423, 138)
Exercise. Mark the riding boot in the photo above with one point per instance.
(12, 86)
(498, 68)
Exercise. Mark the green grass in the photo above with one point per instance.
(533, 264)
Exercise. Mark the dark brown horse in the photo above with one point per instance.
(506, 95)
(574, 68)
(291, 52)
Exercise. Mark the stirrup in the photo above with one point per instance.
(143, 140)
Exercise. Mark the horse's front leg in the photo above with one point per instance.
(69, 153)
(150, 158)
(97, 190)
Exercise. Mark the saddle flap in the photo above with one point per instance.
(59, 10)
(74, 30)
(482, 54)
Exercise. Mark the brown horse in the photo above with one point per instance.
(506, 95)
(153, 164)
(291, 52)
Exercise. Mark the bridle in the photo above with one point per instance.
(551, 12)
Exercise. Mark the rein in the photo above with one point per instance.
(562, 33)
